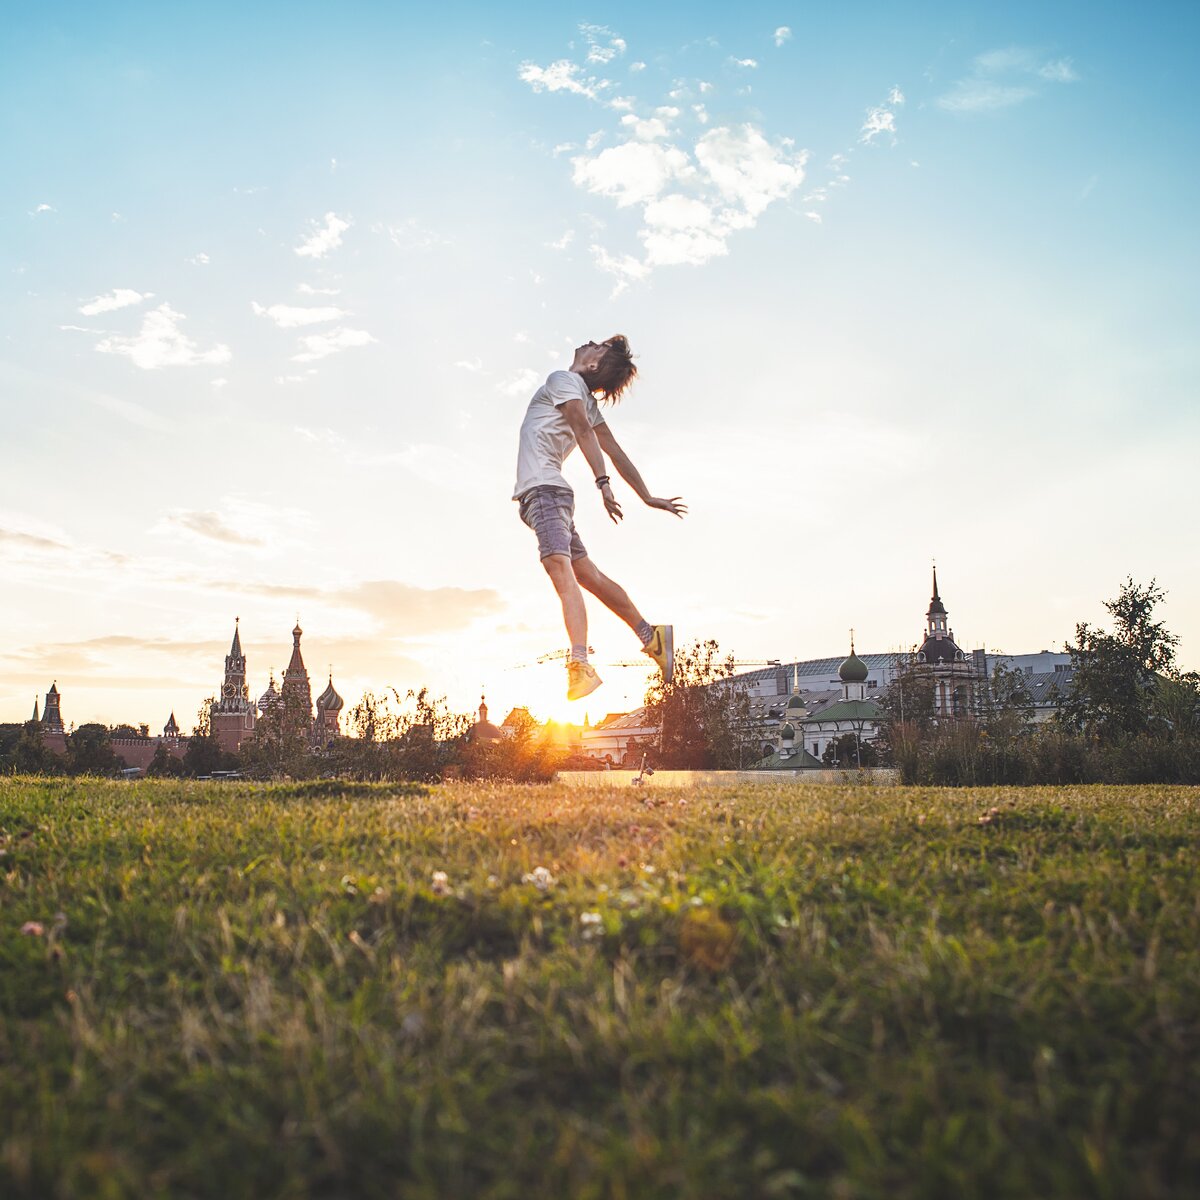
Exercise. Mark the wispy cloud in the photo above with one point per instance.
(321, 345)
(307, 289)
(111, 301)
(782, 34)
(292, 317)
(161, 343)
(42, 208)
(323, 238)
(603, 45)
(882, 118)
(1003, 78)
(29, 541)
(519, 383)
(209, 525)
(200, 260)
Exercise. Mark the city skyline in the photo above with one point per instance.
(276, 291)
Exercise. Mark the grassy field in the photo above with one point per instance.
(339, 990)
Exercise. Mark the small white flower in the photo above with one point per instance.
(540, 878)
(441, 883)
(593, 925)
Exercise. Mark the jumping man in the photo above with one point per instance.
(564, 414)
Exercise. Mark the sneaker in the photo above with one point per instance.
(582, 680)
(661, 648)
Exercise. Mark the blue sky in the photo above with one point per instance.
(277, 281)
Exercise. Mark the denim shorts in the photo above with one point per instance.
(550, 513)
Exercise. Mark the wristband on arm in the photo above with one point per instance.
(602, 481)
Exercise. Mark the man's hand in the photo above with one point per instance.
(610, 503)
(675, 506)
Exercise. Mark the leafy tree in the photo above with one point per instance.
(527, 756)
(164, 765)
(281, 744)
(1116, 675)
(703, 715)
(90, 752)
(908, 714)
(203, 755)
(414, 736)
(849, 750)
(31, 756)
(1176, 705)
(1005, 705)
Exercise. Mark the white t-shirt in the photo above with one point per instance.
(546, 437)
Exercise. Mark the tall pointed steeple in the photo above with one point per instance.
(36, 719)
(52, 711)
(233, 714)
(296, 689)
(235, 691)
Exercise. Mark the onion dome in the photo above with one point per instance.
(853, 670)
(270, 697)
(788, 732)
(483, 730)
(329, 700)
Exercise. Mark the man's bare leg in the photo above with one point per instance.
(610, 593)
(558, 567)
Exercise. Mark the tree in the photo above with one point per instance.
(164, 764)
(203, 755)
(1005, 705)
(1116, 676)
(849, 750)
(281, 744)
(703, 715)
(1177, 705)
(90, 752)
(31, 756)
(908, 714)
(528, 756)
(414, 736)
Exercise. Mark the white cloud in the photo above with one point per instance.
(625, 267)
(161, 343)
(321, 345)
(637, 66)
(782, 34)
(323, 239)
(43, 208)
(220, 382)
(562, 76)
(520, 382)
(982, 95)
(1005, 77)
(748, 170)
(814, 216)
(307, 289)
(200, 260)
(563, 242)
(748, 63)
(410, 234)
(603, 44)
(1061, 70)
(289, 317)
(632, 172)
(694, 186)
(473, 365)
(879, 120)
(111, 301)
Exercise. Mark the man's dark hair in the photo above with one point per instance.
(617, 369)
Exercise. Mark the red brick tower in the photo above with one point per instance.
(233, 714)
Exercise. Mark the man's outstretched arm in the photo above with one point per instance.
(632, 475)
(589, 447)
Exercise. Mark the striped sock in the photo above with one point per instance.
(578, 653)
(645, 631)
